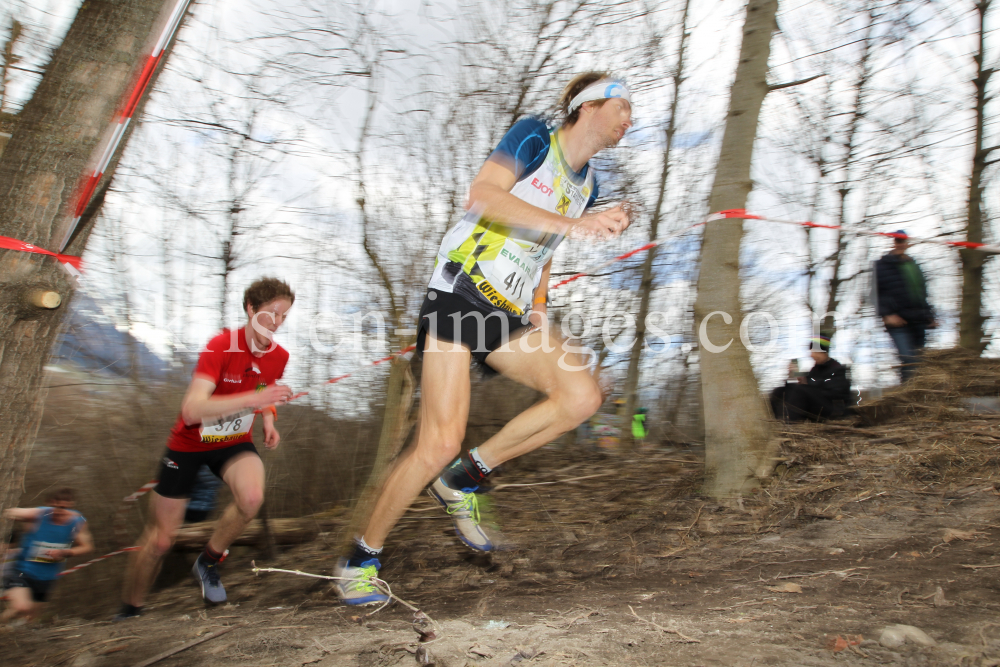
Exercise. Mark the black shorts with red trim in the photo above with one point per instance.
(179, 470)
(453, 318)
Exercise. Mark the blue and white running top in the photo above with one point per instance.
(498, 266)
(36, 559)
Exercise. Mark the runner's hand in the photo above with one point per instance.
(271, 435)
(603, 225)
(277, 394)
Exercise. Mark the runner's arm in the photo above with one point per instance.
(199, 404)
(539, 305)
(271, 435)
(83, 544)
(22, 513)
(490, 196)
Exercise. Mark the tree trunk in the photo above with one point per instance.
(738, 444)
(850, 148)
(970, 326)
(646, 286)
(56, 134)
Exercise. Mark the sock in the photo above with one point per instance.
(212, 557)
(362, 552)
(466, 473)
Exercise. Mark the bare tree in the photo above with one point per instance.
(646, 285)
(738, 446)
(971, 335)
(56, 132)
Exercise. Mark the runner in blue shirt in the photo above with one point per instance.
(52, 534)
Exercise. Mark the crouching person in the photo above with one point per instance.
(235, 377)
(823, 393)
(52, 534)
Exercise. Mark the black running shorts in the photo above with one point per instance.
(453, 318)
(179, 470)
(39, 587)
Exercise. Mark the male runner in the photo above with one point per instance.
(52, 534)
(235, 375)
(489, 286)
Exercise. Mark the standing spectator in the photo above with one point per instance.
(52, 534)
(902, 303)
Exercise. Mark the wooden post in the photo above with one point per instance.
(396, 425)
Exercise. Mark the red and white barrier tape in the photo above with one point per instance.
(319, 386)
(97, 560)
(742, 214)
(736, 213)
(70, 262)
(128, 107)
(121, 534)
(143, 490)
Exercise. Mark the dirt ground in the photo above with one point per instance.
(890, 518)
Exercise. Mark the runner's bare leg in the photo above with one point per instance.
(167, 516)
(19, 603)
(244, 474)
(572, 396)
(444, 411)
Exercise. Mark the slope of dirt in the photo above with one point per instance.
(615, 560)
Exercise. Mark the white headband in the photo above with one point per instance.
(602, 90)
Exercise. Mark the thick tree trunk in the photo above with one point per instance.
(971, 320)
(55, 139)
(646, 286)
(738, 444)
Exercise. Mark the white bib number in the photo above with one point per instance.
(230, 427)
(45, 552)
(513, 274)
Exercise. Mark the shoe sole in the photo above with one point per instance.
(365, 601)
(475, 547)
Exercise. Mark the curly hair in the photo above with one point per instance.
(574, 88)
(265, 290)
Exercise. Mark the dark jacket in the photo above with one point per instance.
(830, 381)
(902, 290)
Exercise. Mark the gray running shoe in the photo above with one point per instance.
(212, 589)
(463, 506)
(356, 587)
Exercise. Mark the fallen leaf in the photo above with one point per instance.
(915, 554)
(835, 643)
(785, 588)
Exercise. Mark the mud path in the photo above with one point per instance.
(629, 567)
